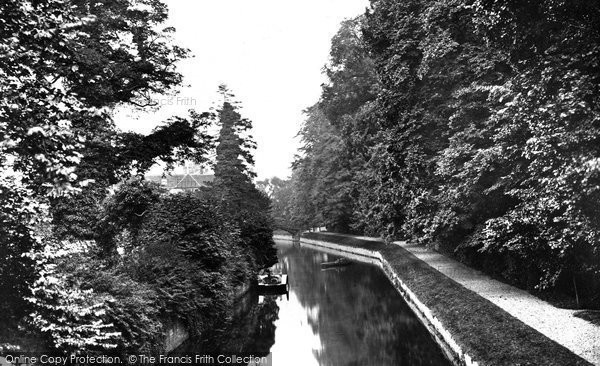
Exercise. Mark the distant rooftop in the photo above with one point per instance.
(191, 178)
(182, 182)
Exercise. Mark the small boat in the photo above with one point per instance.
(338, 263)
(273, 283)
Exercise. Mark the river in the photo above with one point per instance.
(337, 317)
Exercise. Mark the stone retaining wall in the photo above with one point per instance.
(441, 335)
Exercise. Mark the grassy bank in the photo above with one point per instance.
(483, 330)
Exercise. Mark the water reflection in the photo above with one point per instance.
(343, 316)
(249, 329)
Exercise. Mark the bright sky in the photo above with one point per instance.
(270, 53)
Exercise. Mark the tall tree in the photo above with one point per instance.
(482, 137)
(337, 136)
(234, 160)
(64, 65)
(324, 175)
(247, 205)
(548, 123)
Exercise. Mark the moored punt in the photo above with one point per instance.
(273, 284)
(337, 263)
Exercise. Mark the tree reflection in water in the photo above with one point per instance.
(354, 314)
(361, 319)
(248, 330)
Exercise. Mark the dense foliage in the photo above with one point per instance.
(468, 125)
(65, 65)
(93, 259)
(279, 192)
(181, 260)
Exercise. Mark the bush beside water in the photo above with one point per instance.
(184, 263)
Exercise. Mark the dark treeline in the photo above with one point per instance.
(469, 125)
(95, 258)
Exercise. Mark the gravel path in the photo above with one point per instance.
(578, 335)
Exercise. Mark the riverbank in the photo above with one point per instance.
(471, 329)
(176, 333)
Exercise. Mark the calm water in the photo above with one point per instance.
(337, 317)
